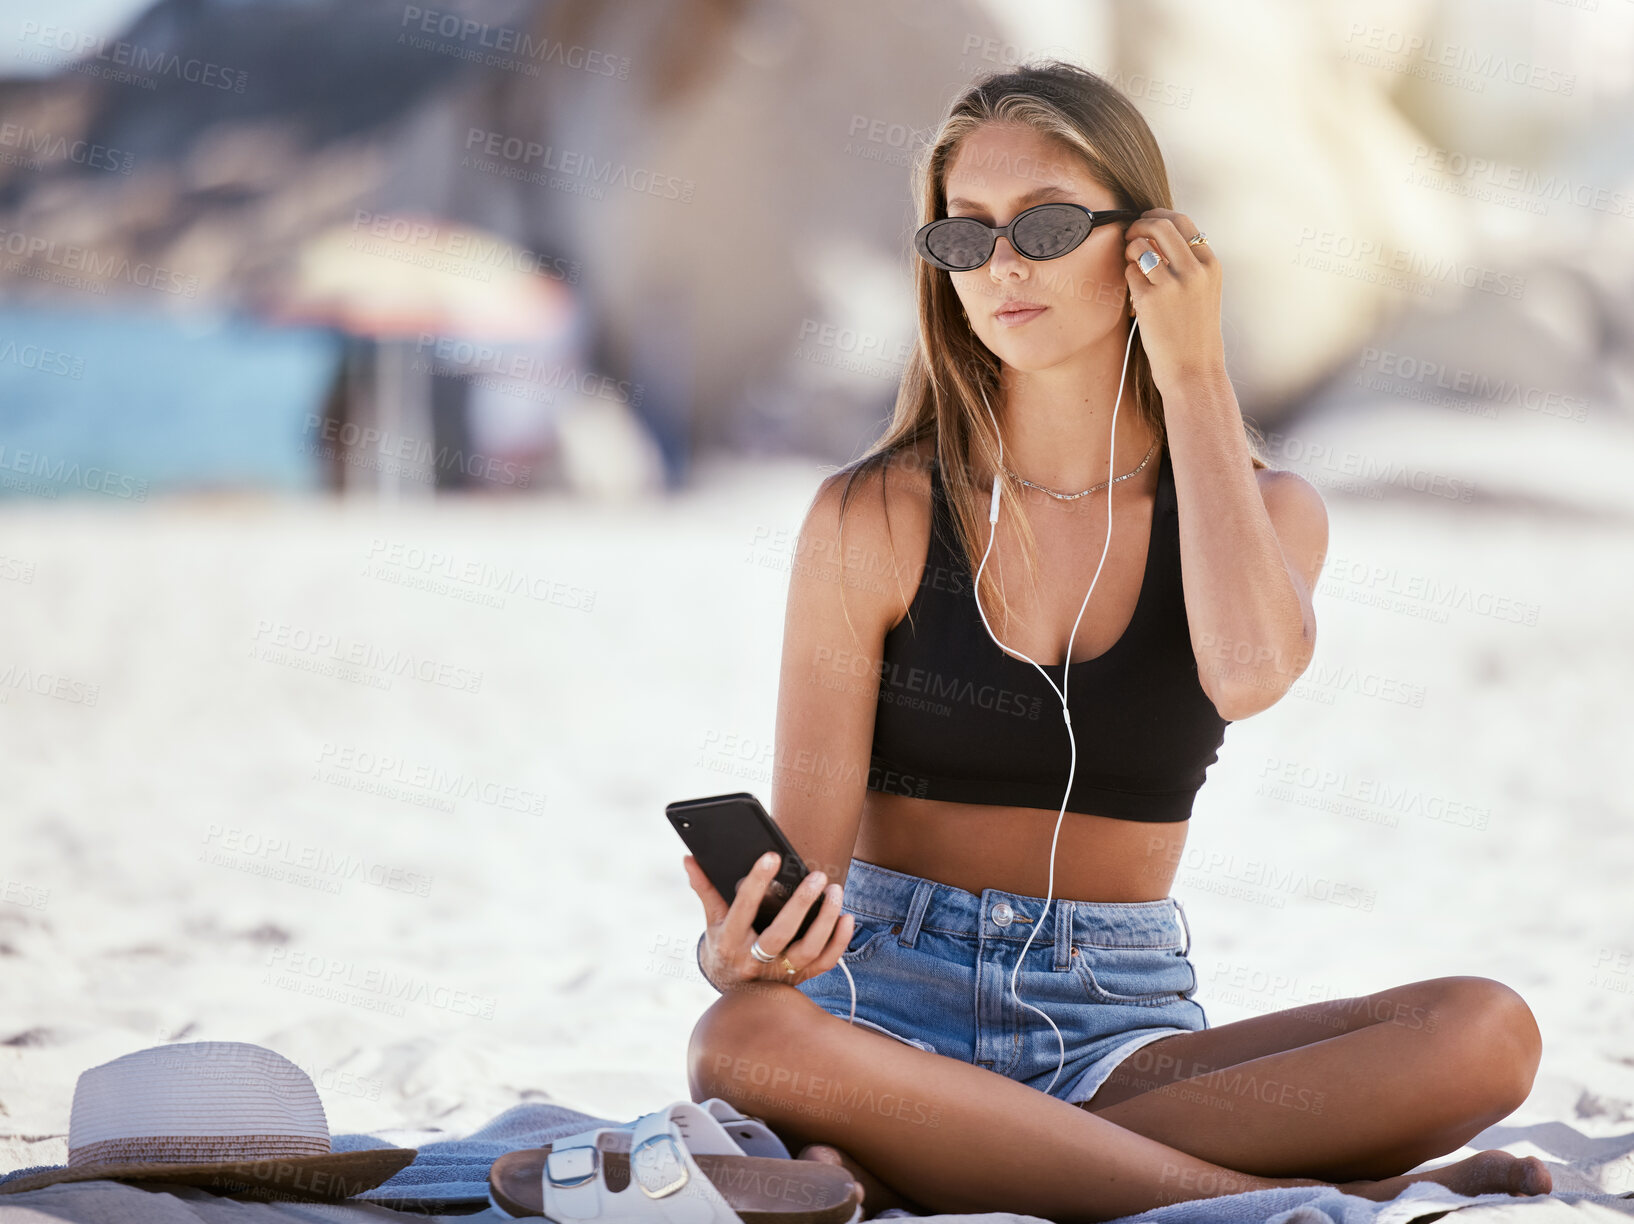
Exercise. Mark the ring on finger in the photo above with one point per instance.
(788, 968)
(760, 953)
(1148, 261)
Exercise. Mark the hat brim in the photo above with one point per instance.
(327, 1178)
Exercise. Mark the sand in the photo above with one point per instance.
(294, 773)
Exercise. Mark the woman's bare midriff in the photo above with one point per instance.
(976, 846)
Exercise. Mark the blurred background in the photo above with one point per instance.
(406, 415)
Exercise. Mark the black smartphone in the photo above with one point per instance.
(727, 834)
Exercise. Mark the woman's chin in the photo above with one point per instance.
(1028, 358)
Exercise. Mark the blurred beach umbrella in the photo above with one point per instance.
(409, 275)
(409, 283)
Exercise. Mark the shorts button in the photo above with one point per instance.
(1003, 914)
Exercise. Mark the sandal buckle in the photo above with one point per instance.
(645, 1161)
(575, 1170)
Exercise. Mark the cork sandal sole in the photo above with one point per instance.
(761, 1189)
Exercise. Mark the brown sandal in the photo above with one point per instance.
(686, 1167)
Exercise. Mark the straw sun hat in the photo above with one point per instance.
(227, 1115)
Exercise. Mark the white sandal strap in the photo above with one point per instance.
(666, 1183)
(750, 1134)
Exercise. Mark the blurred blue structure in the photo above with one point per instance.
(124, 403)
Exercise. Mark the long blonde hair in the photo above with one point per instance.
(952, 376)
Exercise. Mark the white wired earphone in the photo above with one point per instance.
(1066, 677)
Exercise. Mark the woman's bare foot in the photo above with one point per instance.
(876, 1195)
(1490, 1172)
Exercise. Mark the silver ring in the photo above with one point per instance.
(760, 953)
(1148, 260)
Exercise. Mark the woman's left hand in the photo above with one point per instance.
(1179, 306)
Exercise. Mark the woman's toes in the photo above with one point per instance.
(833, 1156)
(822, 1152)
(1530, 1176)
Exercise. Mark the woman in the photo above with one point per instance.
(927, 768)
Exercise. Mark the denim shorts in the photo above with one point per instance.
(932, 965)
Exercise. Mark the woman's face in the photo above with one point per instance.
(999, 170)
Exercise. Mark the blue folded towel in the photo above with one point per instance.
(449, 1172)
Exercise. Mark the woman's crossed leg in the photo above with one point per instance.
(945, 1135)
(1362, 1087)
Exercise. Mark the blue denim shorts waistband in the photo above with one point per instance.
(919, 904)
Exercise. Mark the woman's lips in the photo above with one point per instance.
(1019, 314)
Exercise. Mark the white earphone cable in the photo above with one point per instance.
(1066, 671)
(1066, 678)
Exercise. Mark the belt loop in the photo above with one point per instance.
(1063, 933)
(916, 912)
(1185, 926)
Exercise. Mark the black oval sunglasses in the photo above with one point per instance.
(1044, 231)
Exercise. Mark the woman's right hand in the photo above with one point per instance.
(726, 959)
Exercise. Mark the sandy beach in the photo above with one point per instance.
(382, 788)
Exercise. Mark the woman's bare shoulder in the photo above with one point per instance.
(887, 527)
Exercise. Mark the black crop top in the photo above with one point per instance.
(958, 719)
